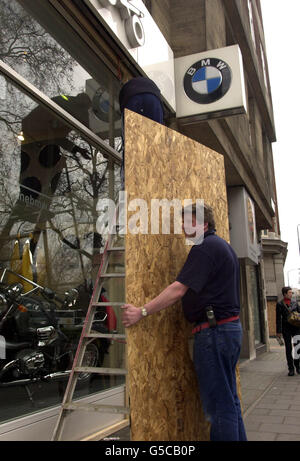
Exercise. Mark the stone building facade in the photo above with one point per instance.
(244, 140)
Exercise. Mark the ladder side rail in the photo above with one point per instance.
(85, 330)
(81, 346)
(90, 313)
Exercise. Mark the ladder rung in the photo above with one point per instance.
(96, 407)
(116, 249)
(107, 303)
(101, 371)
(105, 335)
(111, 275)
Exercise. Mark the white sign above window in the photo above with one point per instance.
(132, 20)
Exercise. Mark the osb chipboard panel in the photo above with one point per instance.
(163, 164)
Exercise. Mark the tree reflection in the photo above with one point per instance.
(52, 180)
(54, 186)
(25, 44)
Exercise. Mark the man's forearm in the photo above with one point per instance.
(167, 297)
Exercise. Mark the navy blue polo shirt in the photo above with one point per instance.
(212, 274)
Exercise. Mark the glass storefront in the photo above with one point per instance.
(52, 179)
(36, 55)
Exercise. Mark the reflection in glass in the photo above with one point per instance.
(45, 62)
(50, 185)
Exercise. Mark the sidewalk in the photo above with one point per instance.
(271, 399)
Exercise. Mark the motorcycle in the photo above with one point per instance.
(41, 335)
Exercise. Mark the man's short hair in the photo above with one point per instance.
(209, 217)
(285, 290)
(208, 214)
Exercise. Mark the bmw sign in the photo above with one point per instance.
(207, 80)
(210, 84)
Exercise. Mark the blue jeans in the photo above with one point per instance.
(216, 352)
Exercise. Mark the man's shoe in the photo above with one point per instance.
(298, 370)
(291, 373)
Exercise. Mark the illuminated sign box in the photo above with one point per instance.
(210, 84)
(242, 225)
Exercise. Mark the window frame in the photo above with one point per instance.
(41, 98)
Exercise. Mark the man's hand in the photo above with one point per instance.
(130, 315)
(167, 297)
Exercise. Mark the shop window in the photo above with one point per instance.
(45, 61)
(264, 67)
(251, 119)
(255, 297)
(251, 21)
(52, 180)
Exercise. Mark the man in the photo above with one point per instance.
(285, 330)
(140, 95)
(209, 280)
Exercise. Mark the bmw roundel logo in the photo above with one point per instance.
(207, 80)
(100, 105)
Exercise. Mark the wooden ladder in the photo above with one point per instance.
(68, 404)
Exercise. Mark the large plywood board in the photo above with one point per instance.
(161, 163)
